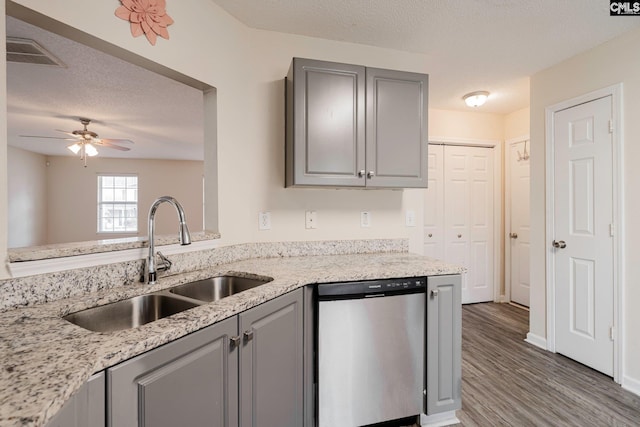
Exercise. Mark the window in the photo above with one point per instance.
(117, 204)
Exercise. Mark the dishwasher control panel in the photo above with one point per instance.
(382, 287)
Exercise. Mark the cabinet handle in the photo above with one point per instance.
(371, 174)
(513, 235)
(235, 341)
(459, 236)
(430, 234)
(248, 336)
(361, 173)
(434, 293)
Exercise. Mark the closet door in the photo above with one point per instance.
(434, 204)
(459, 215)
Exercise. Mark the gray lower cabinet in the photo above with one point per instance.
(85, 408)
(243, 371)
(353, 126)
(189, 382)
(444, 344)
(271, 358)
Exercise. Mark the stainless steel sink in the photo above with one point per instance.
(129, 313)
(216, 288)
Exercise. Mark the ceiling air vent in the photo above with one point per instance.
(29, 52)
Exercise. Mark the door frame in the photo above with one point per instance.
(507, 212)
(498, 149)
(615, 91)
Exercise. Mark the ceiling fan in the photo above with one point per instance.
(85, 141)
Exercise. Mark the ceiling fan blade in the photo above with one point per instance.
(108, 145)
(48, 137)
(69, 133)
(119, 141)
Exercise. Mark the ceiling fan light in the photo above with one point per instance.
(74, 148)
(90, 150)
(476, 99)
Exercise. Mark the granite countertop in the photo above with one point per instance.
(45, 359)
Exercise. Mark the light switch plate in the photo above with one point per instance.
(365, 219)
(264, 220)
(410, 218)
(311, 220)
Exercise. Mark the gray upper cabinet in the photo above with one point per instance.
(325, 124)
(397, 137)
(271, 363)
(352, 126)
(444, 344)
(188, 382)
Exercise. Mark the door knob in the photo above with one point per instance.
(513, 235)
(559, 244)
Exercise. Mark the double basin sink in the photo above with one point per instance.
(143, 309)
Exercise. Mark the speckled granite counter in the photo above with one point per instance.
(46, 359)
(60, 250)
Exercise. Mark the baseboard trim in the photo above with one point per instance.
(631, 384)
(439, 420)
(536, 340)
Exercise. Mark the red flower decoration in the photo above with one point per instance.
(147, 17)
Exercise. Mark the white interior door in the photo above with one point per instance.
(434, 204)
(468, 212)
(519, 229)
(583, 245)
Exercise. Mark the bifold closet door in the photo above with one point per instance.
(459, 215)
(434, 204)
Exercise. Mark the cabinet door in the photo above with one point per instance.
(271, 373)
(85, 408)
(189, 382)
(396, 129)
(325, 124)
(444, 344)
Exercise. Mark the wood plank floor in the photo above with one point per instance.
(507, 382)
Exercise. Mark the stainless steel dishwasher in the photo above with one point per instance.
(370, 351)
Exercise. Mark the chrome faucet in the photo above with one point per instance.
(151, 269)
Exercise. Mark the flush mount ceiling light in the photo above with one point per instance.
(476, 99)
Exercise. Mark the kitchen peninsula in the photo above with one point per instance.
(47, 359)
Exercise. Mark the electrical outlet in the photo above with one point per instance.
(264, 220)
(311, 220)
(365, 219)
(410, 218)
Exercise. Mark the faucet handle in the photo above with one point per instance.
(164, 264)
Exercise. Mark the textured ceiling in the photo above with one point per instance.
(470, 45)
(164, 118)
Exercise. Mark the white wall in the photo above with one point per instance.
(613, 62)
(470, 125)
(27, 198)
(517, 124)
